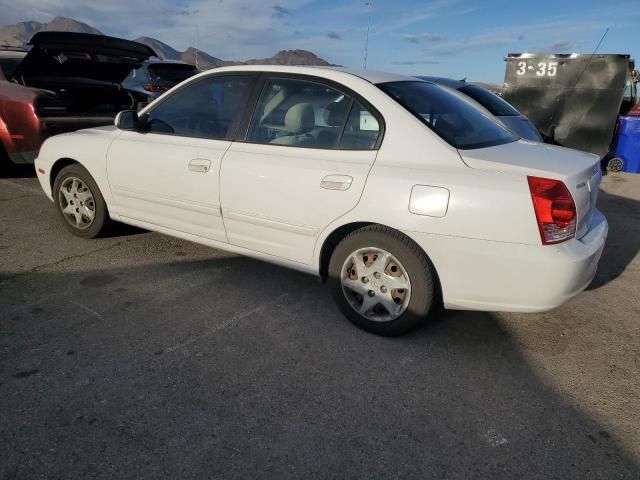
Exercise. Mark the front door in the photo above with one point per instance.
(308, 152)
(167, 174)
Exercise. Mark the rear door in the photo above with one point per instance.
(307, 154)
(168, 174)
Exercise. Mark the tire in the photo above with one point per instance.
(87, 227)
(366, 249)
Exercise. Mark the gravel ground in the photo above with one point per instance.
(140, 356)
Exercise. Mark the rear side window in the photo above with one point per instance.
(171, 72)
(457, 121)
(361, 131)
(305, 113)
(492, 102)
(204, 109)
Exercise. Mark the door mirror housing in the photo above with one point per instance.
(127, 120)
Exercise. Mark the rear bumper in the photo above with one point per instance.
(494, 276)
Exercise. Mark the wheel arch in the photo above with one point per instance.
(57, 166)
(334, 238)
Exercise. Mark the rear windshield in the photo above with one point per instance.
(490, 101)
(171, 72)
(457, 121)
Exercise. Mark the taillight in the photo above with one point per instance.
(555, 209)
(152, 88)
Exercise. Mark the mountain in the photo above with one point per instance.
(206, 61)
(18, 35)
(291, 57)
(162, 49)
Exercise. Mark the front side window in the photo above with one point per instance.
(206, 108)
(304, 113)
(458, 122)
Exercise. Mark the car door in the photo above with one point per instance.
(167, 174)
(304, 162)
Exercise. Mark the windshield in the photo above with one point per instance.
(171, 72)
(489, 100)
(454, 119)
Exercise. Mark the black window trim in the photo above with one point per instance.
(243, 128)
(231, 133)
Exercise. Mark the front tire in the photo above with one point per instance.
(79, 202)
(382, 281)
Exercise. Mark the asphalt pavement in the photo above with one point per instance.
(141, 356)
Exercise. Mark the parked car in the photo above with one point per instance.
(496, 105)
(399, 192)
(10, 58)
(65, 82)
(155, 76)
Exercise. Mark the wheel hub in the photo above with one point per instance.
(376, 284)
(76, 203)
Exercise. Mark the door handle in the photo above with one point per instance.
(336, 182)
(201, 165)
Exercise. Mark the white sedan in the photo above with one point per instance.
(400, 193)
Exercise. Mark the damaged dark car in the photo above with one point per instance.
(65, 82)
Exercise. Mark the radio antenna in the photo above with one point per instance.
(591, 57)
(366, 41)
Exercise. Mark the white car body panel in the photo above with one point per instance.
(269, 201)
(273, 197)
(168, 181)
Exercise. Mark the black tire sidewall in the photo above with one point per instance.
(414, 261)
(102, 214)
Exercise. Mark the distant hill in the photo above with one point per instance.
(18, 35)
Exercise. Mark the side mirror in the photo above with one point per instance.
(127, 120)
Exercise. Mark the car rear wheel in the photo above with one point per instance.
(79, 202)
(381, 280)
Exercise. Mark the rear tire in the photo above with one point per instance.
(382, 281)
(79, 202)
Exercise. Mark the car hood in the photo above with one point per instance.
(81, 55)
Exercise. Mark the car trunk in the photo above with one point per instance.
(579, 171)
(83, 72)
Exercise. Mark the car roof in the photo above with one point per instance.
(448, 82)
(165, 61)
(370, 76)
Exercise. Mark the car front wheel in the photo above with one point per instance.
(79, 202)
(381, 280)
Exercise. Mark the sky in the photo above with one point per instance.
(451, 38)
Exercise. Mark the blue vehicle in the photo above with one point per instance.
(156, 76)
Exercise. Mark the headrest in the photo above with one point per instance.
(300, 118)
(334, 113)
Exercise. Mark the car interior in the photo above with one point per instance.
(306, 114)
